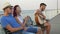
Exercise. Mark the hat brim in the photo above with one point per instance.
(7, 7)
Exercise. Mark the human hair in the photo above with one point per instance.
(14, 12)
(43, 4)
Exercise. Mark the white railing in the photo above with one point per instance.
(52, 13)
(49, 13)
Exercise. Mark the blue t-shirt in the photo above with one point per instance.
(5, 20)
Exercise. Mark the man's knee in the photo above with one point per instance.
(48, 24)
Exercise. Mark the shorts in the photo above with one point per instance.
(32, 29)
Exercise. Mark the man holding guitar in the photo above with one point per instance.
(41, 20)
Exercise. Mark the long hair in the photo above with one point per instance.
(14, 12)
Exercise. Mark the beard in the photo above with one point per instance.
(42, 9)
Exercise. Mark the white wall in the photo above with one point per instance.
(59, 4)
(32, 4)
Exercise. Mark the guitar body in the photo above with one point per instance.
(39, 21)
(36, 20)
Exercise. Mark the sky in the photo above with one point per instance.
(31, 4)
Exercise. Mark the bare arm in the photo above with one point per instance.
(18, 20)
(40, 14)
(43, 15)
(8, 27)
(25, 20)
(22, 24)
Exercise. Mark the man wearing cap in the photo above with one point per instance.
(9, 22)
(40, 18)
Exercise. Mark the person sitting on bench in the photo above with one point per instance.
(40, 18)
(23, 22)
(10, 23)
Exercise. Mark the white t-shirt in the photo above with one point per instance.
(20, 19)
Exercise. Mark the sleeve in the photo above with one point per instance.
(4, 22)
